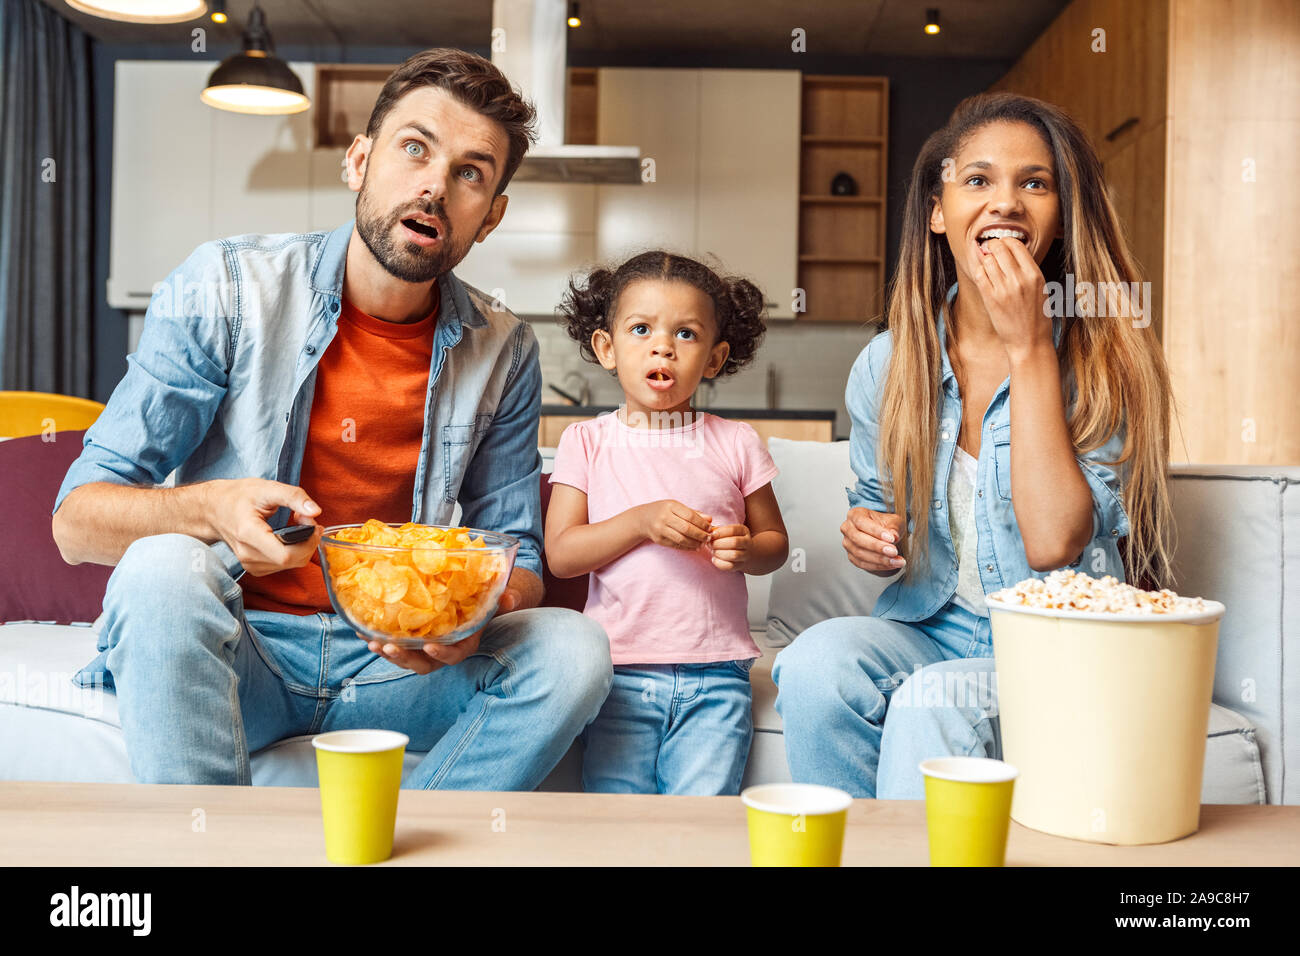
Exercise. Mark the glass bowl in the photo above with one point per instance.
(416, 594)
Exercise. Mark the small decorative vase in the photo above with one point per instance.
(844, 185)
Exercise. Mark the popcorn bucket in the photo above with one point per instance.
(1105, 715)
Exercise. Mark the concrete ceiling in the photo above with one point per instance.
(971, 28)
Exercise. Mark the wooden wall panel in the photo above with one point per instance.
(1232, 336)
(1121, 93)
(1100, 89)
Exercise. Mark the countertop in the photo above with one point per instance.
(788, 414)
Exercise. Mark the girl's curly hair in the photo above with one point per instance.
(737, 303)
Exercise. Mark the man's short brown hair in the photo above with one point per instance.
(473, 81)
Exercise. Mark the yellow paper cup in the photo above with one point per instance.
(360, 776)
(968, 809)
(796, 824)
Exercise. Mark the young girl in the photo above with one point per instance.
(1012, 420)
(667, 508)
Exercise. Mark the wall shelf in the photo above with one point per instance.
(845, 260)
(345, 97)
(843, 200)
(818, 140)
(845, 129)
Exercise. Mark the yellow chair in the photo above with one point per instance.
(31, 413)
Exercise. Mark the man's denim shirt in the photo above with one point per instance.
(1001, 549)
(221, 387)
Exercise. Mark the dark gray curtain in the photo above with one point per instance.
(46, 271)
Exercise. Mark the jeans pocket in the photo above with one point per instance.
(743, 667)
(887, 685)
(380, 671)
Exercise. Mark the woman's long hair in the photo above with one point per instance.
(1113, 374)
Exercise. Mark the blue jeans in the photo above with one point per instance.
(671, 728)
(864, 700)
(201, 682)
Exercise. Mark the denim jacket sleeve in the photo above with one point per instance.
(1106, 481)
(162, 408)
(501, 488)
(862, 399)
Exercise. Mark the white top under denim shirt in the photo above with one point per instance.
(965, 539)
(999, 548)
(221, 386)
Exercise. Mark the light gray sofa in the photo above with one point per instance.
(1239, 539)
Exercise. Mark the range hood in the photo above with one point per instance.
(530, 45)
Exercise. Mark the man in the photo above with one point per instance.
(326, 379)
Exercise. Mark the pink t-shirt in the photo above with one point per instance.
(660, 605)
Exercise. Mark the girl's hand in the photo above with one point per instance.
(731, 544)
(871, 539)
(673, 525)
(1014, 292)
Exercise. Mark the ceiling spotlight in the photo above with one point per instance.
(255, 80)
(932, 21)
(574, 19)
(218, 13)
(142, 11)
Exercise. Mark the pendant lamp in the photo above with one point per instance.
(142, 11)
(255, 80)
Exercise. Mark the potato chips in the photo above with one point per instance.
(434, 585)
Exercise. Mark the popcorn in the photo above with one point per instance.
(1066, 590)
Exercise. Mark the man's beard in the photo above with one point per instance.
(402, 258)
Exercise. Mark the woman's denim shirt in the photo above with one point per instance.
(221, 386)
(1001, 550)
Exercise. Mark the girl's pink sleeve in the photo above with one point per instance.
(756, 465)
(571, 458)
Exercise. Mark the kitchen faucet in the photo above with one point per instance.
(583, 389)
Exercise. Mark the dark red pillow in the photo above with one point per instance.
(35, 583)
(560, 592)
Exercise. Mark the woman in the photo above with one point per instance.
(1013, 419)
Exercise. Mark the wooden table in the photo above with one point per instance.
(126, 824)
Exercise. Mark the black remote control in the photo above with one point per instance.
(295, 533)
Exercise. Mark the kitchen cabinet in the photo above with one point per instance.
(725, 146)
(185, 173)
(748, 209)
(162, 170)
(659, 111)
(788, 424)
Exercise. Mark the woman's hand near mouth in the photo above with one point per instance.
(1013, 291)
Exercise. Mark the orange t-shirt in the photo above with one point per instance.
(363, 442)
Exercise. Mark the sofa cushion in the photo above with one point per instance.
(1239, 543)
(817, 581)
(1234, 771)
(35, 582)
